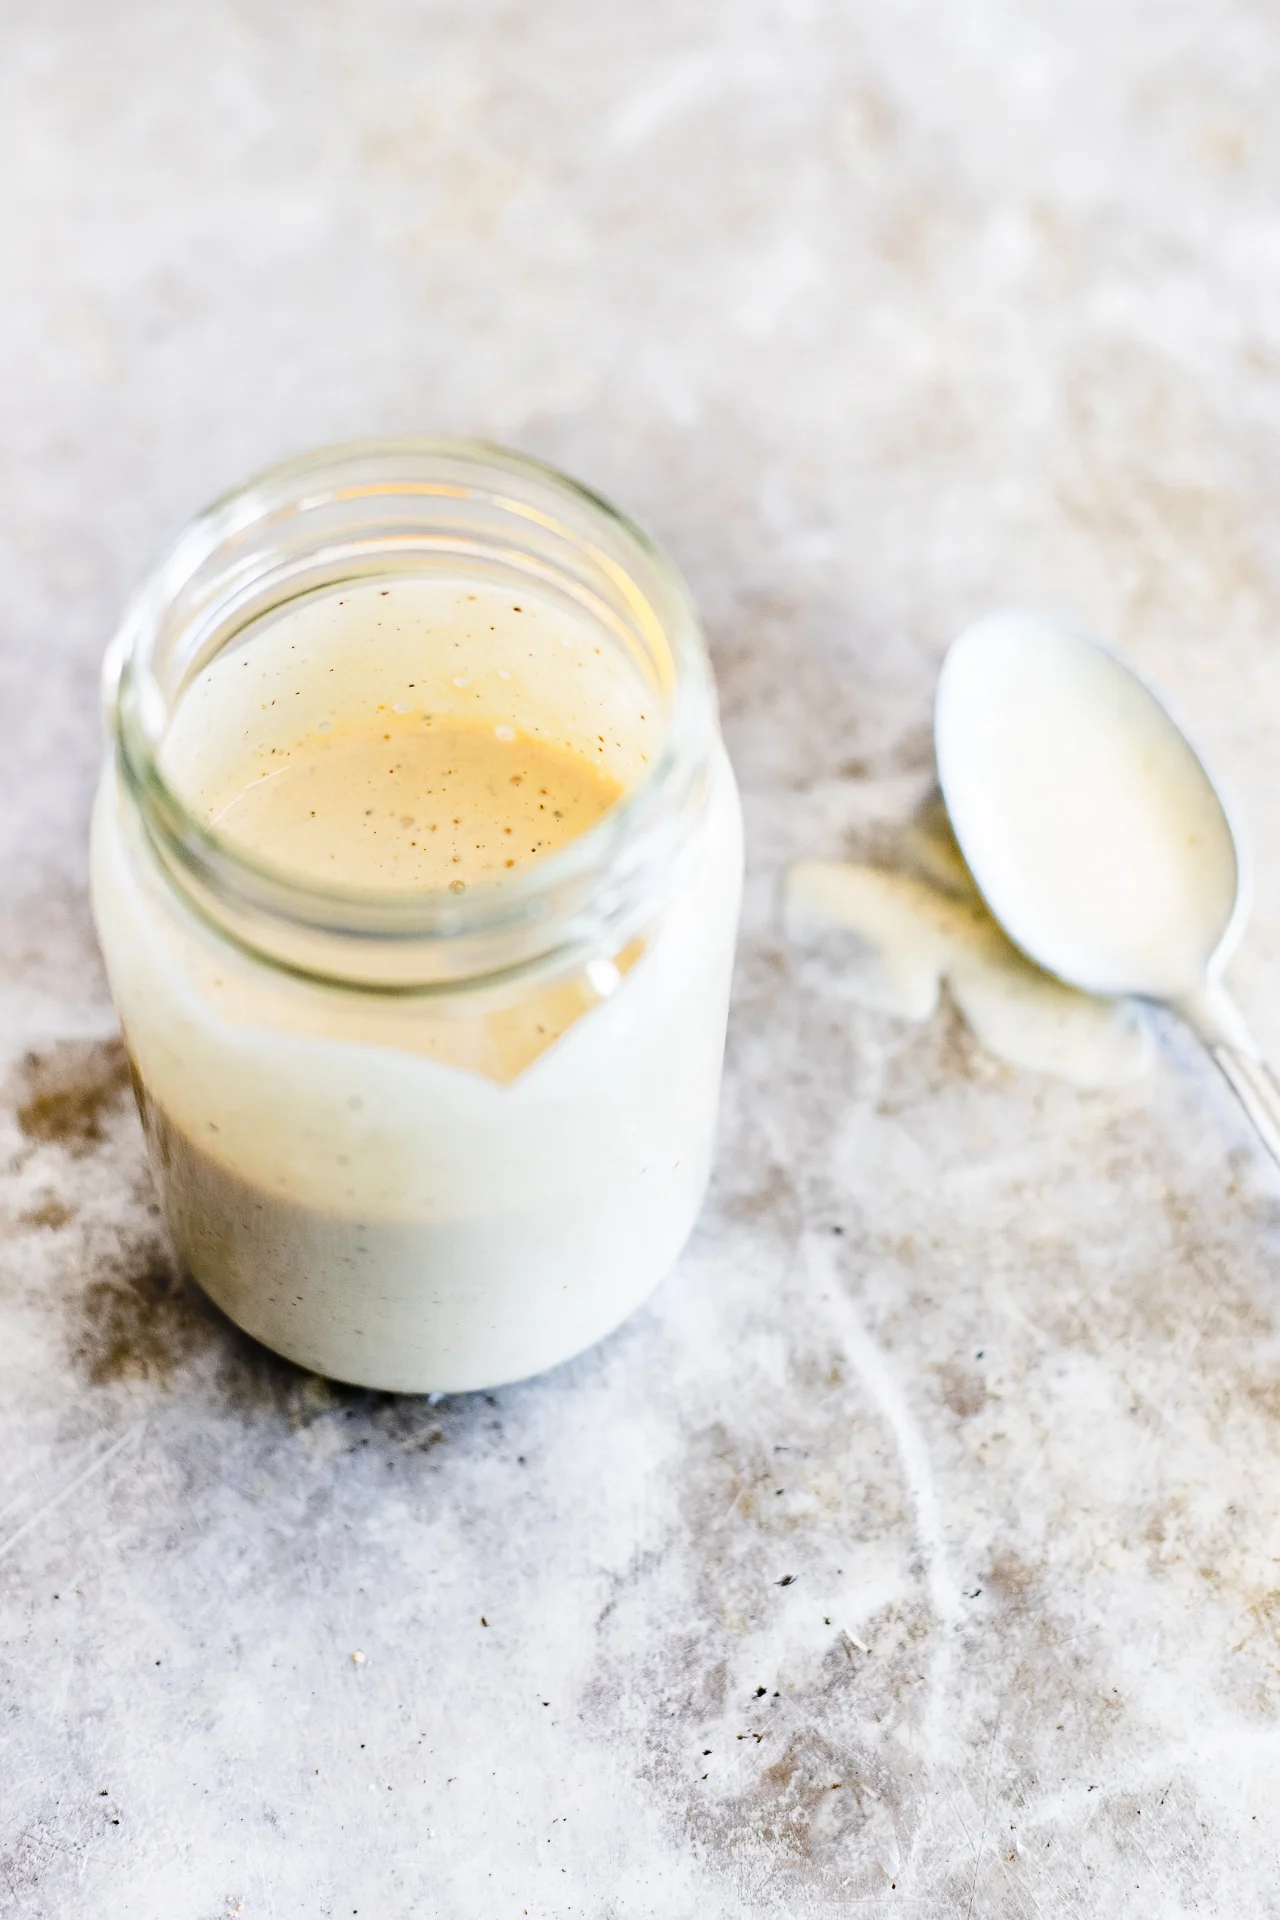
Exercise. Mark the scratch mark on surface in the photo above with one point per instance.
(881, 1385)
(982, 1831)
(694, 83)
(877, 1376)
(48, 1506)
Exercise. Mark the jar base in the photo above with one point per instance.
(402, 1306)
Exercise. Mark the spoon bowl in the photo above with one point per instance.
(1093, 830)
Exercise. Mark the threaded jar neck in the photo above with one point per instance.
(391, 510)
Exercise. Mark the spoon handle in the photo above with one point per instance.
(1221, 1026)
(1258, 1091)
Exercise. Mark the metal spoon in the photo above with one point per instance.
(1094, 832)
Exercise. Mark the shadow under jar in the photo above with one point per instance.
(417, 865)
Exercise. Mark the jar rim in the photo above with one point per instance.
(246, 554)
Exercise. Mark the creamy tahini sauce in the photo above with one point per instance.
(1090, 825)
(412, 806)
(916, 931)
(417, 1191)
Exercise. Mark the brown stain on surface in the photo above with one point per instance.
(139, 1317)
(52, 1213)
(965, 1393)
(66, 1093)
(772, 1197)
(143, 1319)
(141, 1324)
(807, 1807)
(1014, 1579)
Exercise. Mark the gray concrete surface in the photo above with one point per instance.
(918, 1551)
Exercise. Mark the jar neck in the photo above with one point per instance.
(392, 510)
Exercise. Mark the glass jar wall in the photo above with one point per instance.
(417, 863)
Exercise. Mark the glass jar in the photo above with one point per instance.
(421, 1139)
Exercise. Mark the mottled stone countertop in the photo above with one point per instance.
(917, 1551)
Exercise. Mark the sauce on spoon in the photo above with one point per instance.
(1094, 831)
